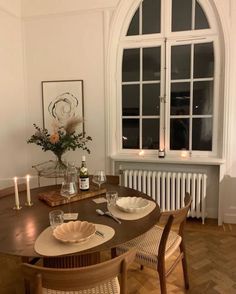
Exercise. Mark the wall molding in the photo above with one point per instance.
(10, 13)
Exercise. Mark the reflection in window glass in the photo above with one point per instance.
(203, 60)
(134, 25)
(151, 63)
(130, 99)
(150, 134)
(203, 97)
(130, 134)
(200, 18)
(179, 134)
(202, 134)
(180, 98)
(151, 100)
(151, 16)
(180, 62)
(131, 65)
(181, 15)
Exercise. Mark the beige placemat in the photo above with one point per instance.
(135, 215)
(48, 245)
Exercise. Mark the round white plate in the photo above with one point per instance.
(132, 204)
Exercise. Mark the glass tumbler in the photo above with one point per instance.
(56, 218)
(111, 197)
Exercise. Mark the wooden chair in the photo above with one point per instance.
(101, 278)
(156, 246)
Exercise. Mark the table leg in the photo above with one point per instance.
(72, 261)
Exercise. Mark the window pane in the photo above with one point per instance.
(200, 18)
(202, 134)
(151, 100)
(203, 97)
(151, 16)
(180, 98)
(151, 63)
(179, 133)
(131, 133)
(150, 134)
(180, 62)
(203, 60)
(130, 67)
(134, 25)
(181, 15)
(130, 99)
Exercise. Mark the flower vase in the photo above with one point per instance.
(60, 165)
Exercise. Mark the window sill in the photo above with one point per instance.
(168, 159)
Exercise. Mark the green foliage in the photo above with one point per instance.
(60, 141)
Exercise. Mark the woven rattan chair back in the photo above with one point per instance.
(79, 279)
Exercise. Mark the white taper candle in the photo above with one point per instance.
(17, 202)
(28, 189)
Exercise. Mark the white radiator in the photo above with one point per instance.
(168, 188)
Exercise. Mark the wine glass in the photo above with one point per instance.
(68, 190)
(99, 177)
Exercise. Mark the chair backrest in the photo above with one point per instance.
(179, 215)
(171, 218)
(11, 190)
(78, 278)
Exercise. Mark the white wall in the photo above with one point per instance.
(44, 7)
(64, 47)
(12, 112)
(12, 7)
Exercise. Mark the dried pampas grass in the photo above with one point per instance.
(72, 124)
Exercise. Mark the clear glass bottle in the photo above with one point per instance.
(83, 176)
(72, 173)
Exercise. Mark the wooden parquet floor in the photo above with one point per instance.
(211, 252)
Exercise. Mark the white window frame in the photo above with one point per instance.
(114, 49)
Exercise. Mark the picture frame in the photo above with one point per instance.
(62, 100)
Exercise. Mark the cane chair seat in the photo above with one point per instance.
(109, 287)
(147, 246)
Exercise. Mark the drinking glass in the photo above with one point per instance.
(99, 178)
(111, 197)
(56, 218)
(68, 190)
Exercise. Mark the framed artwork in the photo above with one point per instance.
(62, 100)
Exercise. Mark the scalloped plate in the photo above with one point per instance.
(74, 231)
(132, 204)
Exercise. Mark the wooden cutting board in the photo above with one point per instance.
(53, 198)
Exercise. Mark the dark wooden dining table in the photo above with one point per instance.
(20, 229)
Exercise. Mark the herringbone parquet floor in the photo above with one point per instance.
(211, 257)
(211, 252)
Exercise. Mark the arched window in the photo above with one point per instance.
(168, 79)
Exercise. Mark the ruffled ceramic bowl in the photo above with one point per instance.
(74, 231)
(132, 204)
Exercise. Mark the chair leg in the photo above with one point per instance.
(162, 279)
(184, 266)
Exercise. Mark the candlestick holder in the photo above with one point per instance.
(29, 204)
(17, 207)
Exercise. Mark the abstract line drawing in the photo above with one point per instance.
(62, 100)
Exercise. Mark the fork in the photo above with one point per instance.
(99, 234)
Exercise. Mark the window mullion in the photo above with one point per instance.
(193, 14)
(141, 101)
(191, 98)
